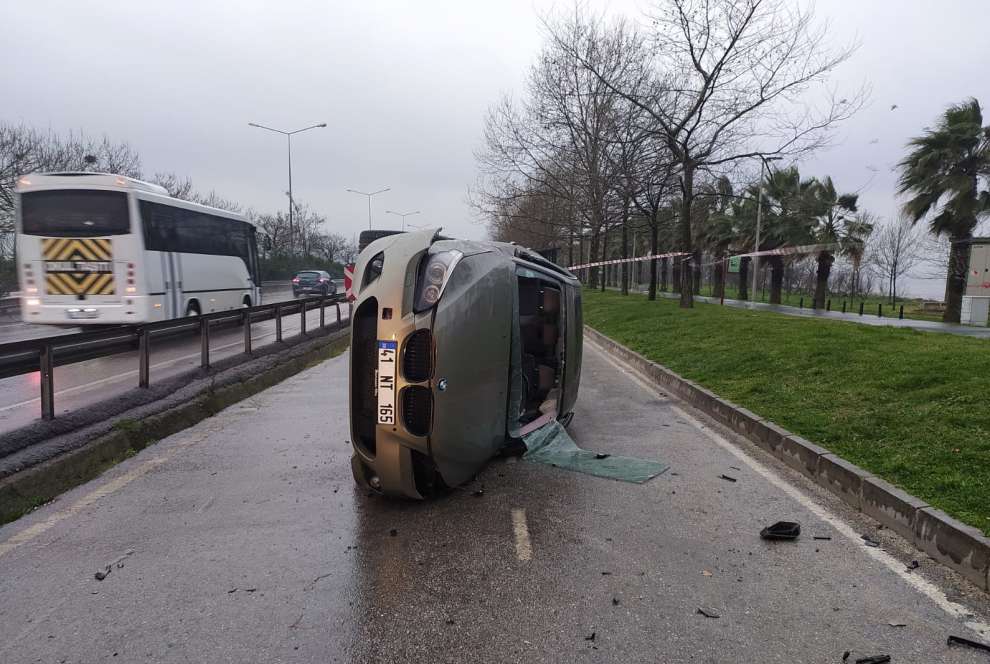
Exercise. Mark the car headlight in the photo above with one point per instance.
(434, 272)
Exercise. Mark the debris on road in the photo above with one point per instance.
(232, 591)
(869, 540)
(727, 478)
(897, 624)
(706, 572)
(873, 659)
(782, 530)
(845, 655)
(602, 455)
(478, 493)
(821, 537)
(914, 564)
(709, 612)
(393, 532)
(735, 467)
(590, 637)
(960, 641)
(117, 562)
(615, 601)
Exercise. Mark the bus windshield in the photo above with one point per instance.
(74, 212)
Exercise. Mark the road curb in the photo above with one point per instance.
(26, 489)
(954, 544)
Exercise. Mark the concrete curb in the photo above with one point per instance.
(961, 547)
(38, 484)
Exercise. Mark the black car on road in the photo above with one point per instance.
(313, 282)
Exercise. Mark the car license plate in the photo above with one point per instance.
(386, 381)
(76, 315)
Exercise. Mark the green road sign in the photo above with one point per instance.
(734, 263)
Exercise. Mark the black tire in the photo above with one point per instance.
(325, 292)
(367, 237)
(192, 309)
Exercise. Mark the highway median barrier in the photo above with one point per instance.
(950, 542)
(38, 472)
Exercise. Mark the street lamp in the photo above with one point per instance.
(288, 137)
(759, 219)
(364, 193)
(403, 215)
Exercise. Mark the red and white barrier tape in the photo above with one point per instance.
(616, 261)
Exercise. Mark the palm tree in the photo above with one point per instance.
(717, 230)
(946, 173)
(788, 219)
(836, 225)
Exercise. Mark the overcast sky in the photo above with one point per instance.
(403, 88)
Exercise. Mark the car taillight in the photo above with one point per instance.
(295, 280)
(323, 281)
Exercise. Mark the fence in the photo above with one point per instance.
(44, 354)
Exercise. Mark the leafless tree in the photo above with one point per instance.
(726, 80)
(893, 250)
(25, 150)
(179, 187)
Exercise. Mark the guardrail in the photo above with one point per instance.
(44, 354)
(10, 304)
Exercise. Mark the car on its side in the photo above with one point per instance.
(458, 348)
(313, 282)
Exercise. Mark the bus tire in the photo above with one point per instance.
(247, 302)
(192, 309)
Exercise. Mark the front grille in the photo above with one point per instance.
(417, 358)
(364, 362)
(417, 409)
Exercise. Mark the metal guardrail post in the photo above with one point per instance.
(278, 323)
(302, 317)
(323, 302)
(843, 306)
(338, 314)
(828, 305)
(144, 358)
(861, 308)
(204, 341)
(900, 314)
(47, 366)
(247, 331)
(880, 310)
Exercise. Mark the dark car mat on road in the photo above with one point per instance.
(551, 445)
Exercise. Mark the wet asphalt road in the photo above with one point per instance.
(85, 383)
(251, 544)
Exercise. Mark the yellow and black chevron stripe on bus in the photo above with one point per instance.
(76, 249)
(78, 266)
(79, 283)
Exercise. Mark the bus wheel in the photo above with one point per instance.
(247, 302)
(192, 309)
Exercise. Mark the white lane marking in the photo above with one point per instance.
(133, 372)
(524, 549)
(106, 489)
(922, 585)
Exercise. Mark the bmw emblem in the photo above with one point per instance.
(442, 385)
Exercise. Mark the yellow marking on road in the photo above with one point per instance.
(524, 548)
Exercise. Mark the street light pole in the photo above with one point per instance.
(403, 215)
(369, 195)
(759, 220)
(288, 137)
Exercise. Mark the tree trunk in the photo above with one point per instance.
(687, 296)
(654, 250)
(776, 278)
(663, 274)
(625, 247)
(696, 270)
(592, 252)
(955, 279)
(604, 258)
(857, 259)
(825, 260)
(720, 270)
(744, 277)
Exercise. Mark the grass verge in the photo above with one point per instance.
(905, 405)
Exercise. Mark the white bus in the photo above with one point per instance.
(102, 248)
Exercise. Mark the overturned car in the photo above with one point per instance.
(458, 348)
